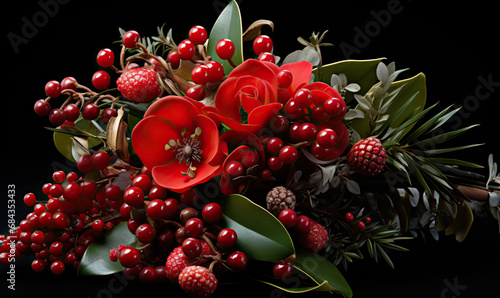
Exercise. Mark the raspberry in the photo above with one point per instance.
(367, 157)
(315, 239)
(139, 84)
(197, 281)
(176, 261)
(280, 198)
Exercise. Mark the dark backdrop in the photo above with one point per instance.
(456, 46)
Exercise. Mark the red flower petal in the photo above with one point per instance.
(176, 108)
(149, 138)
(263, 114)
(301, 72)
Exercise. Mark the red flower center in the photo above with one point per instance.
(187, 151)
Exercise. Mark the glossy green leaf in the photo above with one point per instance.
(321, 270)
(261, 236)
(362, 72)
(64, 143)
(228, 25)
(95, 260)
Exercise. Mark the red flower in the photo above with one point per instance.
(178, 143)
(252, 87)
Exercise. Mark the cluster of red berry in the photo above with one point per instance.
(59, 230)
(360, 225)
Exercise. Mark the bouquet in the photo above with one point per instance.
(194, 162)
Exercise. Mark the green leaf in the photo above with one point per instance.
(228, 25)
(321, 270)
(261, 236)
(95, 260)
(362, 72)
(64, 143)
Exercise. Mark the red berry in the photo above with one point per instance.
(292, 110)
(157, 192)
(145, 233)
(98, 225)
(197, 281)
(199, 75)
(215, 71)
(156, 209)
(303, 98)
(293, 132)
(71, 112)
(211, 213)
(68, 83)
(105, 58)
(53, 88)
(303, 224)
(100, 160)
(336, 107)
(234, 169)
(37, 237)
(193, 227)
(172, 206)
(60, 220)
(42, 107)
(285, 78)
(148, 275)
(225, 49)
(57, 249)
(107, 114)
(57, 267)
(327, 138)
(84, 164)
(174, 59)
(72, 192)
(192, 248)
(130, 39)
(198, 35)
(274, 163)
(237, 261)
(249, 159)
(227, 238)
(29, 199)
(101, 79)
(279, 124)
(361, 226)
(134, 196)
(56, 190)
(186, 49)
(308, 131)
(274, 146)
(349, 217)
(266, 57)
(56, 117)
(283, 270)
(288, 155)
(196, 92)
(90, 112)
(113, 192)
(288, 217)
(143, 182)
(262, 43)
(45, 219)
(129, 257)
(38, 265)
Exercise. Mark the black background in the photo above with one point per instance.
(454, 45)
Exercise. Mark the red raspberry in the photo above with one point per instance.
(139, 84)
(315, 239)
(176, 261)
(197, 281)
(367, 157)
